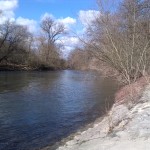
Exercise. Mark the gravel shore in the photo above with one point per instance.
(125, 127)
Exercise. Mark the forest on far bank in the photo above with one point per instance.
(20, 49)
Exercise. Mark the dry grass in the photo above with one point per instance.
(132, 91)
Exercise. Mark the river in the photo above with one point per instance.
(38, 109)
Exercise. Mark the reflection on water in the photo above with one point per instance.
(40, 108)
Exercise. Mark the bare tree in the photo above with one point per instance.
(79, 58)
(52, 31)
(12, 38)
(19, 47)
(122, 38)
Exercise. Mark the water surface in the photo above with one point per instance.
(39, 108)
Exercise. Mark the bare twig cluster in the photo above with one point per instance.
(120, 37)
(18, 46)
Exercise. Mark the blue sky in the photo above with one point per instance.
(33, 9)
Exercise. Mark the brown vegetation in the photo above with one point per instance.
(21, 50)
(78, 59)
(121, 38)
(131, 93)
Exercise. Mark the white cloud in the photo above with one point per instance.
(86, 17)
(69, 44)
(7, 5)
(69, 41)
(30, 24)
(66, 51)
(67, 21)
(7, 15)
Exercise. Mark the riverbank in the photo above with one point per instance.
(12, 67)
(126, 126)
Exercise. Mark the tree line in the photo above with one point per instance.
(19, 47)
(120, 37)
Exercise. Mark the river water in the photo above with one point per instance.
(39, 108)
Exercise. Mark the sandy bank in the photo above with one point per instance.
(127, 126)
